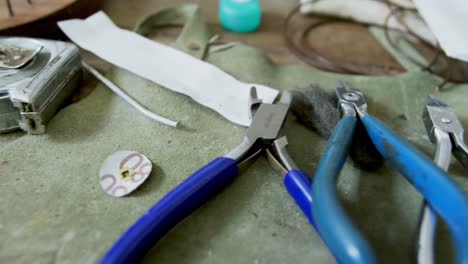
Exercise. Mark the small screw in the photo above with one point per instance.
(446, 120)
(351, 96)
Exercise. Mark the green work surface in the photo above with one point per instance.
(52, 208)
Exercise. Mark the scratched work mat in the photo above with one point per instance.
(52, 208)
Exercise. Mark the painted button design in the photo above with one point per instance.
(123, 172)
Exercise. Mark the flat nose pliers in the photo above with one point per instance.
(262, 134)
(444, 130)
(444, 196)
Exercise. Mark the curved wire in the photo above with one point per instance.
(306, 53)
(313, 58)
(446, 74)
(424, 67)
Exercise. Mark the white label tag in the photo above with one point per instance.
(169, 67)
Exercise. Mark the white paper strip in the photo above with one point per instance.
(171, 68)
(447, 19)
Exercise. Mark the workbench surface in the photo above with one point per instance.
(52, 209)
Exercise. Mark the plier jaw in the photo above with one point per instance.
(268, 119)
(278, 156)
(265, 131)
(350, 101)
(264, 134)
(441, 121)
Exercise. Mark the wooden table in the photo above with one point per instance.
(347, 42)
(342, 41)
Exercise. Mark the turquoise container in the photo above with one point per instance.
(240, 15)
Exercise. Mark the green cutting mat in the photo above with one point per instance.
(52, 209)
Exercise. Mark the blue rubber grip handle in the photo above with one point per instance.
(299, 187)
(171, 209)
(439, 190)
(344, 241)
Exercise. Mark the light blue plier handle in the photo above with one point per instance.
(344, 240)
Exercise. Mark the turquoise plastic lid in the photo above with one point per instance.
(240, 15)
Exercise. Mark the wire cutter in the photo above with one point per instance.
(262, 134)
(444, 196)
(444, 130)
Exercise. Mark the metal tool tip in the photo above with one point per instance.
(253, 92)
(286, 98)
(341, 84)
(432, 101)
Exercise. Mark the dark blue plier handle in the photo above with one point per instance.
(262, 134)
(443, 194)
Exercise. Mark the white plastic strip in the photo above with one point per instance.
(171, 68)
(127, 98)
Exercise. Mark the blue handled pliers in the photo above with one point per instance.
(444, 196)
(262, 134)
